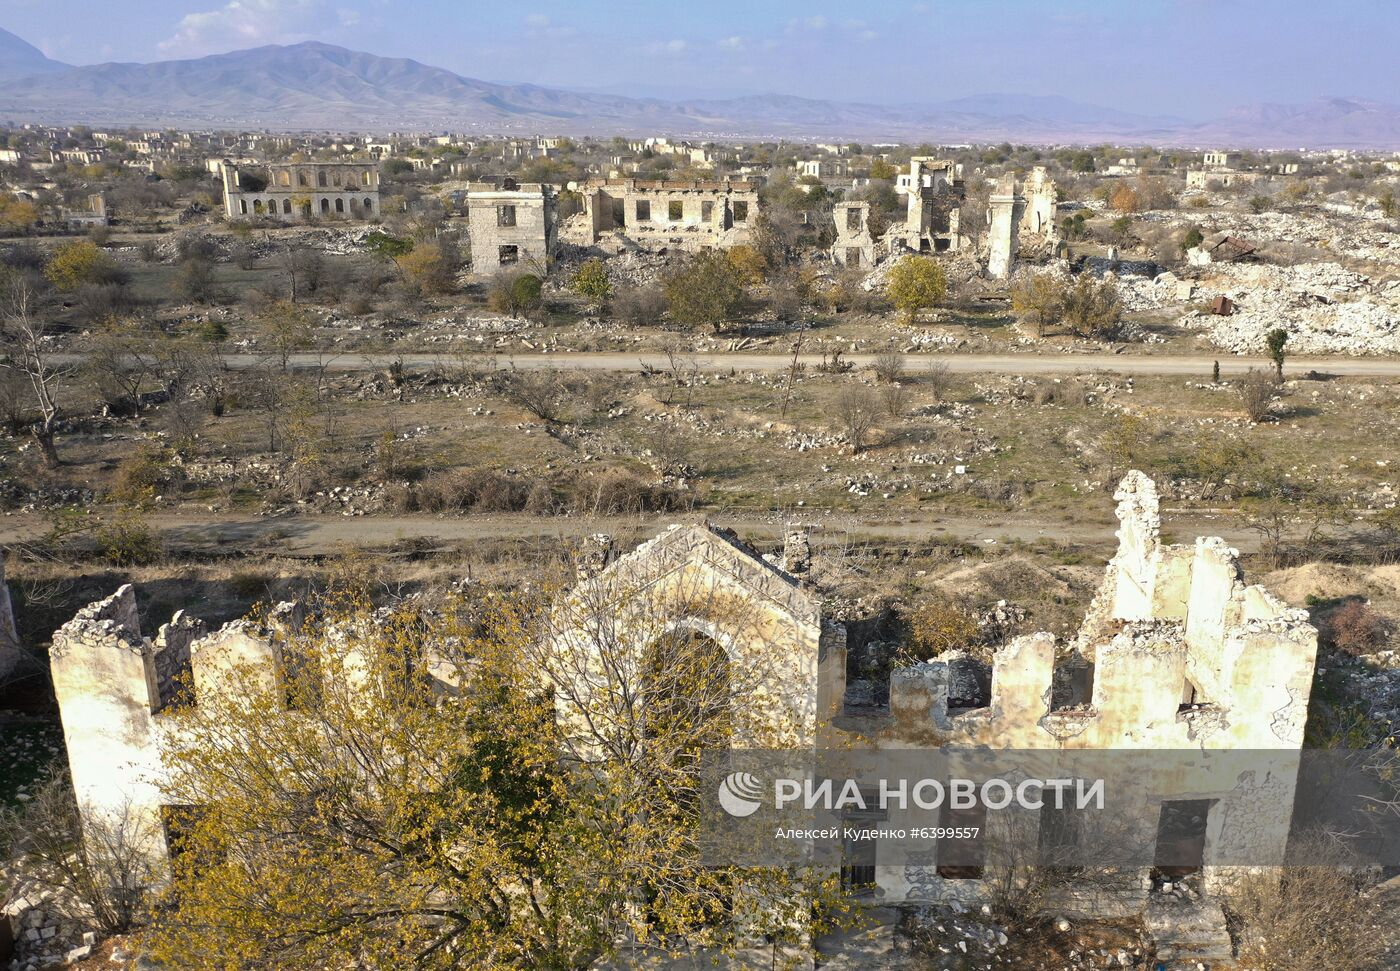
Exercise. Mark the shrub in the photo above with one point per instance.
(748, 263)
(591, 282)
(80, 261)
(641, 306)
(515, 294)
(1257, 394)
(1355, 628)
(856, 409)
(140, 476)
(888, 366)
(1092, 307)
(128, 541)
(940, 626)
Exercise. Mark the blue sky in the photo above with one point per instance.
(1192, 58)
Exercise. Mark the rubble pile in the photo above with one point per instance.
(1325, 308)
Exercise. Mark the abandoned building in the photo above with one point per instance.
(658, 214)
(1176, 653)
(934, 205)
(854, 246)
(296, 191)
(510, 224)
(1042, 196)
(1007, 209)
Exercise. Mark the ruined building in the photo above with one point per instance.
(1177, 654)
(295, 191)
(934, 203)
(654, 215)
(1042, 196)
(854, 246)
(510, 224)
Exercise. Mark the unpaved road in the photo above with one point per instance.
(302, 535)
(1028, 363)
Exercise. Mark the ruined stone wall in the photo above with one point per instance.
(13, 660)
(1007, 210)
(652, 214)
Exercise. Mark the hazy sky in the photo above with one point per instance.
(1185, 57)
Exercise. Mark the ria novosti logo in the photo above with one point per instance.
(740, 794)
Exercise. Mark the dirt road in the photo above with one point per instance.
(316, 535)
(1029, 363)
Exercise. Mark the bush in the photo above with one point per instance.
(516, 294)
(940, 626)
(641, 306)
(856, 409)
(888, 366)
(128, 541)
(142, 475)
(1092, 307)
(591, 282)
(80, 261)
(1257, 394)
(1355, 628)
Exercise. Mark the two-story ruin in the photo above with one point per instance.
(297, 191)
(510, 224)
(655, 214)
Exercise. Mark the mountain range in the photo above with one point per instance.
(316, 86)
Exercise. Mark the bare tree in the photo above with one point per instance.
(888, 366)
(856, 408)
(28, 351)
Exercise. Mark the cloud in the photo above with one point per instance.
(537, 21)
(667, 47)
(246, 23)
(735, 43)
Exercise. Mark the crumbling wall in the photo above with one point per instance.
(1007, 208)
(13, 660)
(659, 214)
(1042, 196)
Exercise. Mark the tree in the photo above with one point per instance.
(1091, 306)
(431, 266)
(284, 328)
(883, 171)
(857, 410)
(195, 280)
(1274, 342)
(16, 214)
(80, 261)
(1257, 394)
(591, 281)
(1124, 199)
(1039, 297)
(748, 263)
(1192, 239)
(27, 351)
(916, 283)
(516, 294)
(705, 291)
(431, 812)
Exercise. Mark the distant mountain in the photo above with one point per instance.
(19, 58)
(315, 86)
(1325, 122)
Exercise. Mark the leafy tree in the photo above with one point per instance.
(1124, 199)
(516, 294)
(882, 170)
(749, 263)
(1274, 341)
(388, 247)
(17, 214)
(284, 328)
(1092, 307)
(1193, 238)
(705, 291)
(591, 281)
(431, 812)
(916, 284)
(431, 266)
(1039, 297)
(80, 262)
